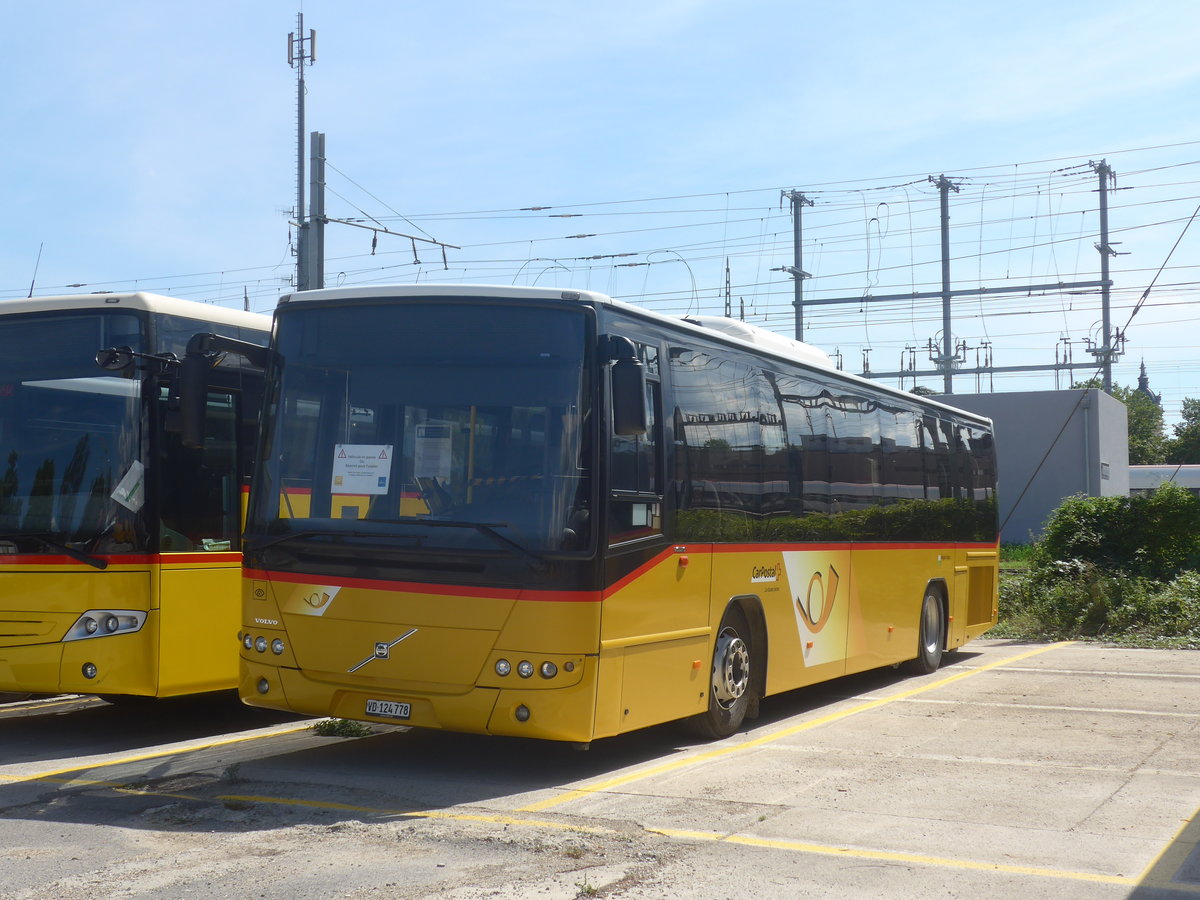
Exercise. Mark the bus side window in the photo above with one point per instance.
(199, 504)
(635, 471)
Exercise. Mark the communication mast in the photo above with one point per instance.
(302, 51)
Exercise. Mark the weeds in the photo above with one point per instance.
(342, 728)
(1111, 568)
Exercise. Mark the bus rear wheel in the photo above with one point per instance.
(729, 689)
(932, 636)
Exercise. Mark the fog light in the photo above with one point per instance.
(90, 625)
(263, 685)
(525, 668)
(522, 713)
(89, 671)
(111, 624)
(248, 642)
(503, 667)
(277, 646)
(260, 644)
(569, 666)
(549, 670)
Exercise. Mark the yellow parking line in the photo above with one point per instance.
(24, 707)
(672, 833)
(56, 774)
(754, 743)
(485, 818)
(1166, 866)
(888, 856)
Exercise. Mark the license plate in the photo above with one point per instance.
(388, 709)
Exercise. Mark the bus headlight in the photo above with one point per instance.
(260, 644)
(525, 668)
(549, 670)
(277, 646)
(98, 623)
(503, 667)
(248, 641)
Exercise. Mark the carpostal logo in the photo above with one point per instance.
(765, 573)
(818, 603)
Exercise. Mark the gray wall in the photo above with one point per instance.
(1090, 457)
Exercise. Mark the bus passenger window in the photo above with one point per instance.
(199, 501)
(635, 473)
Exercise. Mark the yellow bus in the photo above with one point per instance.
(550, 514)
(120, 552)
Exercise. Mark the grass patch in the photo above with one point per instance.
(1017, 556)
(342, 728)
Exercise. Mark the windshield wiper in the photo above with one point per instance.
(251, 547)
(488, 529)
(484, 528)
(46, 541)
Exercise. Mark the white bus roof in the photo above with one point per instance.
(140, 300)
(761, 340)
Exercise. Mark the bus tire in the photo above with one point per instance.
(931, 639)
(730, 683)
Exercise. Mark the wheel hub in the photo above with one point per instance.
(731, 668)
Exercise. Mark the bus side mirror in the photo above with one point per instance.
(193, 398)
(114, 359)
(628, 381)
(203, 352)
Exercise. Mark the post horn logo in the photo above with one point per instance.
(817, 605)
(317, 599)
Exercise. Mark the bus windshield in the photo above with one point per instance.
(70, 435)
(451, 426)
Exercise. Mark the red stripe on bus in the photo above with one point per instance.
(683, 549)
(849, 545)
(649, 564)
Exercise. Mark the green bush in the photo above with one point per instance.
(1154, 535)
(1118, 568)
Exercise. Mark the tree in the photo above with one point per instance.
(1184, 447)
(1147, 443)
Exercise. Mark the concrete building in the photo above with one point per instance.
(1049, 446)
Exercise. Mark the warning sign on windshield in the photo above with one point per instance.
(361, 468)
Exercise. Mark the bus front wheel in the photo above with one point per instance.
(932, 635)
(729, 689)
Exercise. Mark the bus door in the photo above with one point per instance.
(654, 628)
(199, 518)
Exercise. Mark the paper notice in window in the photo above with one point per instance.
(130, 491)
(361, 468)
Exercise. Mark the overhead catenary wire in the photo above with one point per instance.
(743, 225)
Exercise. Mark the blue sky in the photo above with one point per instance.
(152, 146)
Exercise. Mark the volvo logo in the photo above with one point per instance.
(383, 650)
